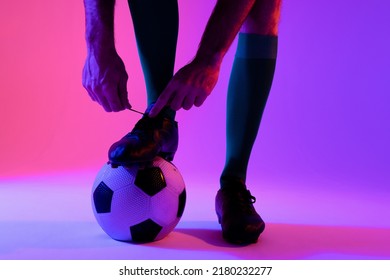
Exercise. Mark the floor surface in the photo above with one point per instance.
(50, 217)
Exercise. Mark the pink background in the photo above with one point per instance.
(327, 118)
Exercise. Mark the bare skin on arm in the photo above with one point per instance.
(104, 74)
(193, 83)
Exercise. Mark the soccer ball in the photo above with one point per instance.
(139, 203)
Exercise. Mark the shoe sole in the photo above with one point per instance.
(168, 156)
(244, 238)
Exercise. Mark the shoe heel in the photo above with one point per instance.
(219, 218)
(113, 165)
(169, 148)
(167, 155)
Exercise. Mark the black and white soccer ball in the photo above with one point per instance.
(140, 203)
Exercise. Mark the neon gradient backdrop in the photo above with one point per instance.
(327, 117)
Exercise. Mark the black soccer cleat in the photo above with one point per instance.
(149, 138)
(238, 218)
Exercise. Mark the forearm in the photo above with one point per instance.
(221, 29)
(99, 25)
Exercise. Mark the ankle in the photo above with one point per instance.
(166, 112)
(232, 181)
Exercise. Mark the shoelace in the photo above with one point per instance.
(136, 111)
(251, 197)
(245, 200)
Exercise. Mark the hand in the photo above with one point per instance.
(191, 85)
(105, 79)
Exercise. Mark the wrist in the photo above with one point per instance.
(101, 53)
(101, 47)
(213, 60)
(100, 42)
(99, 36)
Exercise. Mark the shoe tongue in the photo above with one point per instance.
(239, 194)
(166, 112)
(149, 108)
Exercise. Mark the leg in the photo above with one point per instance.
(156, 24)
(156, 29)
(249, 86)
(250, 83)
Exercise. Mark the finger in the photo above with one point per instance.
(94, 92)
(111, 95)
(162, 101)
(84, 79)
(86, 82)
(177, 99)
(87, 87)
(200, 99)
(189, 101)
(123, 94)
(91, 94)
(104, 103)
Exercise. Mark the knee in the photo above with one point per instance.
(263, 19)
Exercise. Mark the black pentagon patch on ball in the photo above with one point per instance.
(146, 231)
(150, 180)
(182, 203)
(102, 198)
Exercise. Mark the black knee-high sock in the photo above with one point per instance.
(156, 24)
(249, 86)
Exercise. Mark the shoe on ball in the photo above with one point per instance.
(149, 138)
(238, 218)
